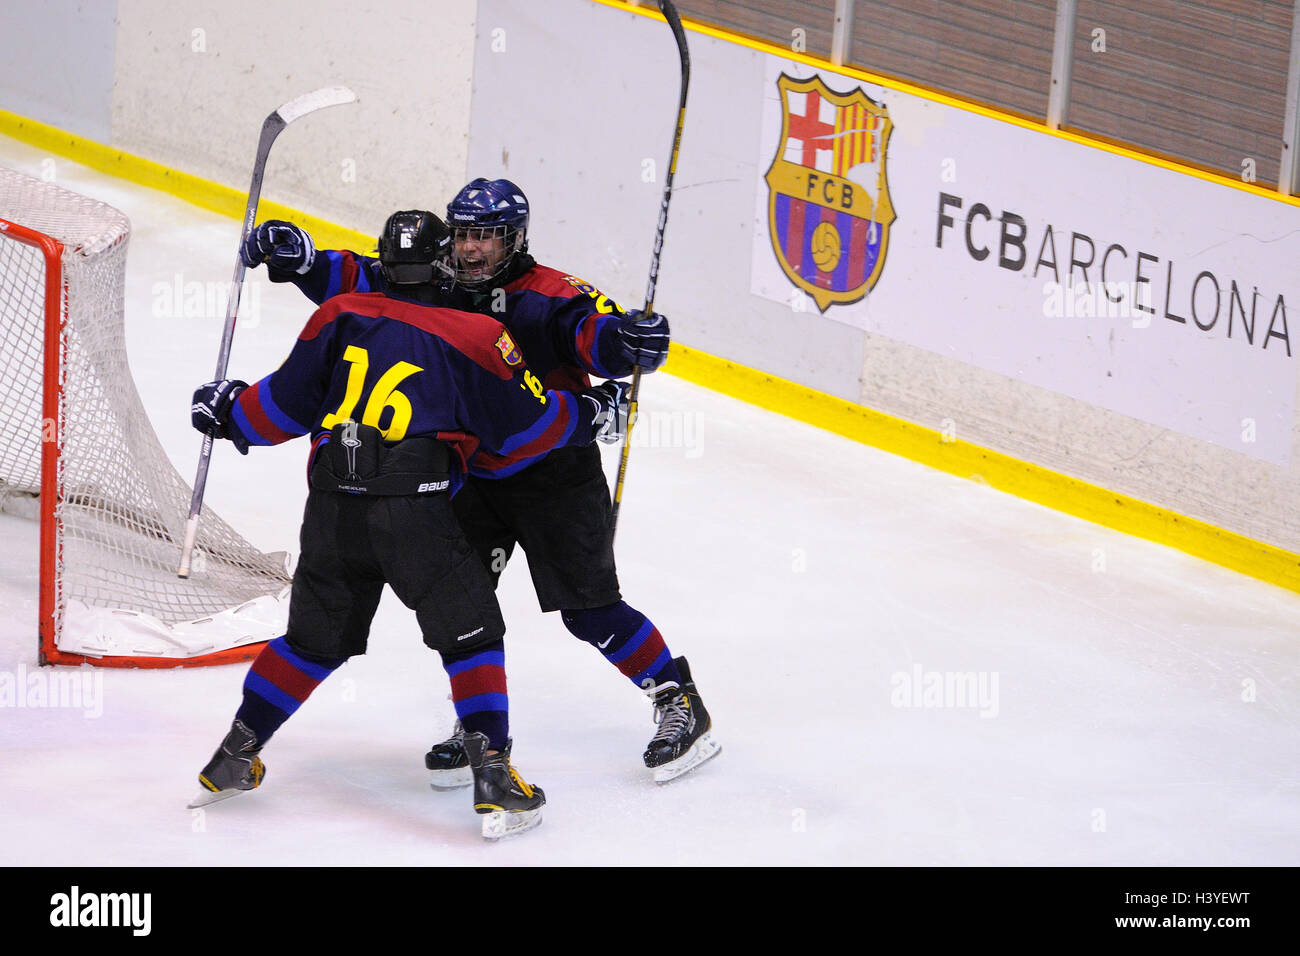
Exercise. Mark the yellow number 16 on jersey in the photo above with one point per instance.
(384, 395)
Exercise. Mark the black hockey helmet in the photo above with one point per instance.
(414, 247)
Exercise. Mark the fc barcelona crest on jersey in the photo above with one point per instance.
(829, 210)
(509, 351)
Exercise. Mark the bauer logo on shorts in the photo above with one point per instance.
(829, 210)
(509, 351)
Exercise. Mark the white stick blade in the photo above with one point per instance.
(315, 100)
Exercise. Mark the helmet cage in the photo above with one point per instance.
(488, 210)
(512, 242)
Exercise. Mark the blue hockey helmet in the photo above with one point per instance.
(485, 211)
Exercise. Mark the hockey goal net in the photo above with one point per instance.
(77, 449)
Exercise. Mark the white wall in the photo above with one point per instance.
(581, 94)
(579, 99)
(194, 80)
(576, 101)
(56, 63)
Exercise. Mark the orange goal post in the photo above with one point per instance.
(77, 451)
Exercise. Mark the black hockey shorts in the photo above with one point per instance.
(558, 511)
(352, 545)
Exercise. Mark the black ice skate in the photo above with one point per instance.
(684, 739)
(507, 803)
(447, 763)
(233, 769)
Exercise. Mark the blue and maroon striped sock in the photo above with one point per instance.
(628, 640)
(276, 685)
(478, 690)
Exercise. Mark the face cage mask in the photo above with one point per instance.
(511, 241)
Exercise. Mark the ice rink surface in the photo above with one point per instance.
(1134, 706)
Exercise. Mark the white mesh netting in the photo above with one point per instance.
(122, 507)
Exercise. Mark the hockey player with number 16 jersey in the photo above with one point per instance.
(557, 509)
(402, 400)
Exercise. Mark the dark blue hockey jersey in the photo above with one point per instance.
(414, 370)
(566, 327)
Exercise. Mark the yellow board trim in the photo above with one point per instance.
(763, 46)
(853, 421)
(204, 193)
(1003, 472)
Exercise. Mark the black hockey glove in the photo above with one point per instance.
(211, 410)
(281, 245)
(612, 402)
(644, 339)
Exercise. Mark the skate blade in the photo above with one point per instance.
(451, 779)
(503, 823)
(207, 798)
(706, 748)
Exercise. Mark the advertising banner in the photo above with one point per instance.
(1133, 288)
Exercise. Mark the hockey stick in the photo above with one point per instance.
(277, 121)
(675, 22)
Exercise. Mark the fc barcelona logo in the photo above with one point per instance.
(829, 210)
(509, 351)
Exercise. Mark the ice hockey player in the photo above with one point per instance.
(290, 255)
(557, 509)
(402, 401)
